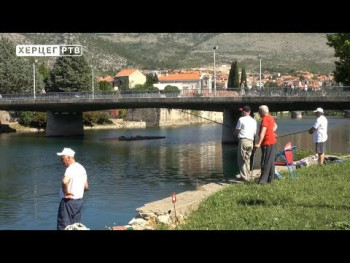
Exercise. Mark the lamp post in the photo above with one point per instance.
(34, 78)
(92, 82)
(216, 47)
(260, 72)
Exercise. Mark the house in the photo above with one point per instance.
(108, 79)
(128, 78)
(186, 81)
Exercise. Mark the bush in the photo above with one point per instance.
(32, 119)
(96, 117)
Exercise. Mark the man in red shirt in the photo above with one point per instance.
(267, 141)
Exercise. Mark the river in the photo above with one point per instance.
(124, 175)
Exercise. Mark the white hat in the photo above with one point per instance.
(319, 110)
(67, 151)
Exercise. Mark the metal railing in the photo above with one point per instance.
(266, 92)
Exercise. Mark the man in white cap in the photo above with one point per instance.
(319, 131)
(74, 183)
(245, 130)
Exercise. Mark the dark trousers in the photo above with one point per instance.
(267, 164)
(69, 212)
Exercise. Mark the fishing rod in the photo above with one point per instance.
(233, 127)
(292, 133)
(208, 119)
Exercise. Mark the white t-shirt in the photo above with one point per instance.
(77, 174)
(320, 135)
(247, 126)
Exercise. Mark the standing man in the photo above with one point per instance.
(320, 136)
(267, 141)
(74, 183)
(246, 131)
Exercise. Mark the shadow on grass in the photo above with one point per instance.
(251, 202)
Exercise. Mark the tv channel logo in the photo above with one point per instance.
(48, 50)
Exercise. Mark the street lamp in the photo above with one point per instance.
(92, 82)
(216, 47)
(35, 61)
(260, 84)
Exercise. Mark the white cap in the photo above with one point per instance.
(319, 110)
(67, 151)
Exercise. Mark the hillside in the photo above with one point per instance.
(110, 52)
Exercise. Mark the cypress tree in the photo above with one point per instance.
(244, 78)
(233, 78)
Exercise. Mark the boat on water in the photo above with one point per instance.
(139, 137)
(134, 138)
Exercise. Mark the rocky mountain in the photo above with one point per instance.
(109, 52)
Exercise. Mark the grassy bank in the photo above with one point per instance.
(319, 199)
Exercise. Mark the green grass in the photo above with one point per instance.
(319, 199)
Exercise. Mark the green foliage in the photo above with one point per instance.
(233, 78)
(244, 78)
(32, 119)
(105, 86)
(171, 91)
(341, 44)
(70, 74)
(16, 73)
(301, 153)
(309, 202)
(96, 117)
(122, 113)
(44, 71)
(344, 225)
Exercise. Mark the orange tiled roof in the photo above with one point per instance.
(180, 76)
(108, 78)
(126, 72)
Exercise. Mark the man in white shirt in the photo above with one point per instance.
(246, 131)
(319, 131)
(74, 183)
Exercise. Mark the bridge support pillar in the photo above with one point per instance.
(347, 113)
(297, 115)
(230, 120)
(64, 124)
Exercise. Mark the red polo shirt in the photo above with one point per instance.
(270, 137)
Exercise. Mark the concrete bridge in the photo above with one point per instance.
(65, 109)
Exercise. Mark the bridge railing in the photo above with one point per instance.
(230, 92)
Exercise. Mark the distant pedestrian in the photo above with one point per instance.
(267, 141)
(74, 183)
(245, 130)
(320, 136)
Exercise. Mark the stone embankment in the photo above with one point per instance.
(163, 211)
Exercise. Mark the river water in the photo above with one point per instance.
(124, 175)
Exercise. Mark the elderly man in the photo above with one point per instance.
(74, 183)
(320, 136)
(267, 141)
(246, 131)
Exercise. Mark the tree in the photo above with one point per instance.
(16, 73)
(44, 71)
(341, 44)
(171, 91)
(233, 78)
(105, 86)
(70, 74)
(244, 78)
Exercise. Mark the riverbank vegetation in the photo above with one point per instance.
(317, 200)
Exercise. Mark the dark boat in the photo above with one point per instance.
(138, 137)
